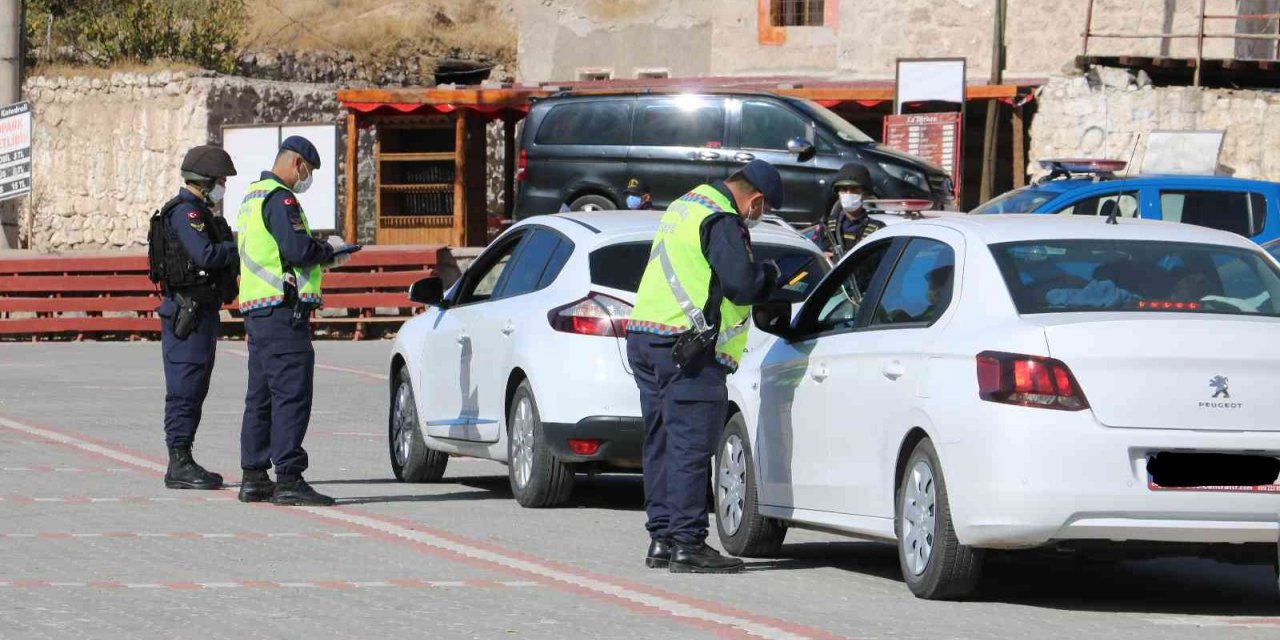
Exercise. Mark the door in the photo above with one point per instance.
(1123, 203)
(797, 390)
(454, 409)
(677, 143)
(505, 321)
(762, 129)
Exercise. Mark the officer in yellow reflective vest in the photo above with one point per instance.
(280, 274)
(686, 334)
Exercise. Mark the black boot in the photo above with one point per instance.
(702, 559)
(256, 486)
(659, 556)
(293, 491)
(184, 473)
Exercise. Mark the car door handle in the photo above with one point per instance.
(463, 338)
(704, 155)
(508, 329)
(893, 370)
(744, 157)
(820, 373)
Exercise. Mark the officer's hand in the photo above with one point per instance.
(338, 259)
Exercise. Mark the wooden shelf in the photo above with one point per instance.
(415, 222)
(417, 188)
(447, 156)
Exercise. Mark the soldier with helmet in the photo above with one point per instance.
(193, 258)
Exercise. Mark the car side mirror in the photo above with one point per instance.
(804, 150)
(428, 291)
(773, 317)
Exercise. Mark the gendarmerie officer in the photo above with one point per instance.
(194, 260)
(848, 220)
(280, 278)
(686, 334)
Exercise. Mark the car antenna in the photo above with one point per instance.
(1115, 211)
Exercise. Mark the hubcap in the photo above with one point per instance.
(403, 424)
(918, 517)
(522, 441)
(731, 484)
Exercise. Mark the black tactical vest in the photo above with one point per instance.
(172, 268)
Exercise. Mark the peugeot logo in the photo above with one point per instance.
(1219, 385)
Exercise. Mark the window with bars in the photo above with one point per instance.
(797, 13)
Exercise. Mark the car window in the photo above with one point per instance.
(1061, 276)
(680, 122)
(1235, 211)
(920, 288)
(529, 263)
(488, 271)
(842, 298)
(1024, 200)
(768, 126)
(1124, 203)
(620, 266)
(558, 258)
(594, 123)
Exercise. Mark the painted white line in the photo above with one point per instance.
(144, 585)
(220, 585)
(84, 445)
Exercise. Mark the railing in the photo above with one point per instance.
(1200, 36)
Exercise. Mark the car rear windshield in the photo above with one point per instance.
(1024, 200)
(620, 266)
(1058, 276)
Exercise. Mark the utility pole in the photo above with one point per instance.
(993, 106)
(11, 26)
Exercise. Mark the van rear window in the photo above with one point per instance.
(620, 266)
(1060, 276)
(590, 123)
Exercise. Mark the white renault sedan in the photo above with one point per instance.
(524, 359)
(1005, 382)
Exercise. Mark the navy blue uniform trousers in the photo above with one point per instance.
(188, 367)
(684, 412)
(277, 405)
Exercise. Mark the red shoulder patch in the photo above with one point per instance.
(289, 201)
(193, 214)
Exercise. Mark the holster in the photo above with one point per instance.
(692, 345)
(187, 317)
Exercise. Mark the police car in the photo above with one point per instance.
(965, 383)
(523, 360)
(1250, 208)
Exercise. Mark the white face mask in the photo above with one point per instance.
(850, 201)
(752, 220)
(217, 194)
(304, 184)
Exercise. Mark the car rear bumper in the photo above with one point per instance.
(621, 439)
(1026, 479)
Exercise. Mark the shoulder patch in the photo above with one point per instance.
(193, 214)
(198, 226)
(290, 201)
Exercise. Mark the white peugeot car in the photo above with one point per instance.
(524, 359)
(967, 383)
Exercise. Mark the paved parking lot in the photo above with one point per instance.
(92, 545)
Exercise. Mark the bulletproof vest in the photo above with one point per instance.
(172, 268)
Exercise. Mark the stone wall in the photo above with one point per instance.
(860, 40)
(1109, 113)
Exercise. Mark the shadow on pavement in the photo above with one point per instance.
(617, 492)
(425, 497)
(357, 481)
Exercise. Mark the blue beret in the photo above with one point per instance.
(764, 177)
(304, 148)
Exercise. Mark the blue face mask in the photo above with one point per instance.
(634, 202)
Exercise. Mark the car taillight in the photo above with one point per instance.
(522, 164)
(1029, 381)
(594, 315)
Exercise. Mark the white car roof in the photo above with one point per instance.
(597, 227)
(995, 229)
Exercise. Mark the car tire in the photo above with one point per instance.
(934, 564)
(742, 530)
(538, 479)
(593, 203)
(411, 459)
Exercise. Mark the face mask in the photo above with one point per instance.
(216, 195)
(304, 184)
(850, 201)
(634, 202)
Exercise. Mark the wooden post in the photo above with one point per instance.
(1088, 27)
(1199, 46)
(508, 164)
(353, 178)
(1019, 156)
(460, 179)
(987, 187)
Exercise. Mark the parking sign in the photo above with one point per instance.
(15, 150)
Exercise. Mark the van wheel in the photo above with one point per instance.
(411, 460)
(593, 203)
(743, 531)
(934, 564)
(537, 478)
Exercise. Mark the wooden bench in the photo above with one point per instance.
(111, 295)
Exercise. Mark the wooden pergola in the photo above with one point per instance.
(430, 146)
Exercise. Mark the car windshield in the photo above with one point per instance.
(620, 266)
(1058, 276)
(1024, 200)
(846, 131)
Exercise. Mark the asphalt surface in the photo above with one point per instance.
(93, 546)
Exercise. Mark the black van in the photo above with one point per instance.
(580, 150)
